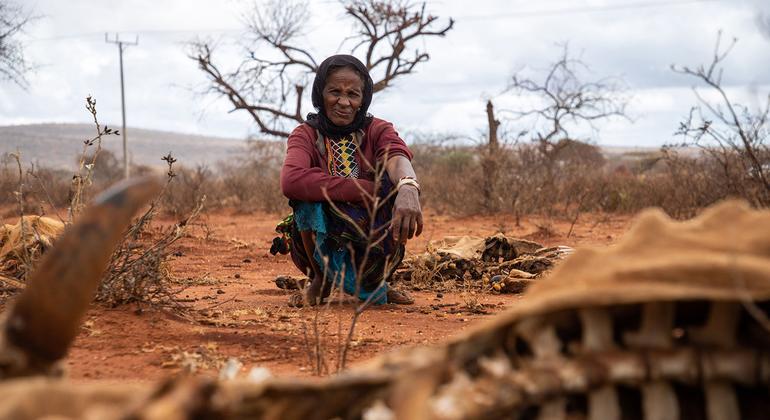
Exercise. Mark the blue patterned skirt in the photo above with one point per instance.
(340, 248)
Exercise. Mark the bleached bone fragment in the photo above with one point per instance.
(230, 370)
(597, 336)
(449, 404)
(541, 336)
(410, 396)
(721, 403)
(682, 364)
(737, 365)
(496, 366)
(45, 319)
(621, 367)
(655, 330)
(379, 411)
(603, 404)
(553, 378)
(574, 376)
(659, 402)
(553, 410)
(597, 329)
(720, 328)
(258, 374)
(540, 379)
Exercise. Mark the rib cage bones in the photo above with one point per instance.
(543, 370)
(663, 325)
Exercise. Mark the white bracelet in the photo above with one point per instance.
(408, 181)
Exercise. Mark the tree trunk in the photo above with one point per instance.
(489, 162)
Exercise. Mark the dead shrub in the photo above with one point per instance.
(190, 184)
(41, 186)
(49, 185)
(679, 182)
(8, 182)
(137, 271)
(250, 181)
(451, 177)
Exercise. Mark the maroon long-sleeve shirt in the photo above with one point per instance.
(304, 174)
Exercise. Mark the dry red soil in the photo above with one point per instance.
(237, 311)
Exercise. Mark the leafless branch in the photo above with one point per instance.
(567, 99)
(240, 89)
(724, 128)
(384, 28)
(564, 100)
(83, 176)
(270, 81)
(13, 63)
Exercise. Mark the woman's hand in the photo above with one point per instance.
(407, 214)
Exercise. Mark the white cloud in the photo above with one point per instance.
(491, 39)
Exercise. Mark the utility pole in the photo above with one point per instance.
(121, 46)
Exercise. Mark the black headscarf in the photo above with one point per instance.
(319, 120)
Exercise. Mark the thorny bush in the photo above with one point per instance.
(680, 181)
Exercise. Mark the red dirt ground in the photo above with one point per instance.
(240, 313)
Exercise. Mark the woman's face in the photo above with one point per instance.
(343, 95)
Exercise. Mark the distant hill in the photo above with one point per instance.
(59, 145)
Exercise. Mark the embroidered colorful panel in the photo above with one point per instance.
(342, 157)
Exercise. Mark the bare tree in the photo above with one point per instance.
(13, 64)
(732, 134)
(566, 100)
(563, 101)
(270, 81)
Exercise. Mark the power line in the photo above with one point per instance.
(521, 14)
(141, 32)
(580, 10)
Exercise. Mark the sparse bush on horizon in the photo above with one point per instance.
(678, 183)
(450, 174)
(251, 180)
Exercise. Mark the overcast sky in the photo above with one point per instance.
(634, 39)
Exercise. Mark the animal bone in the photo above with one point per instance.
(44, 320)
(603, 404)
(721, 402)
(655, 331)
(659, 402)
(542, 338)
(480, 374)
(720, 327)
(597, 329)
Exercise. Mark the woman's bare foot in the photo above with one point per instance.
(313, 290)
(310, 295)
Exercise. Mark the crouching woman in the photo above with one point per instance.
(329, 174)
